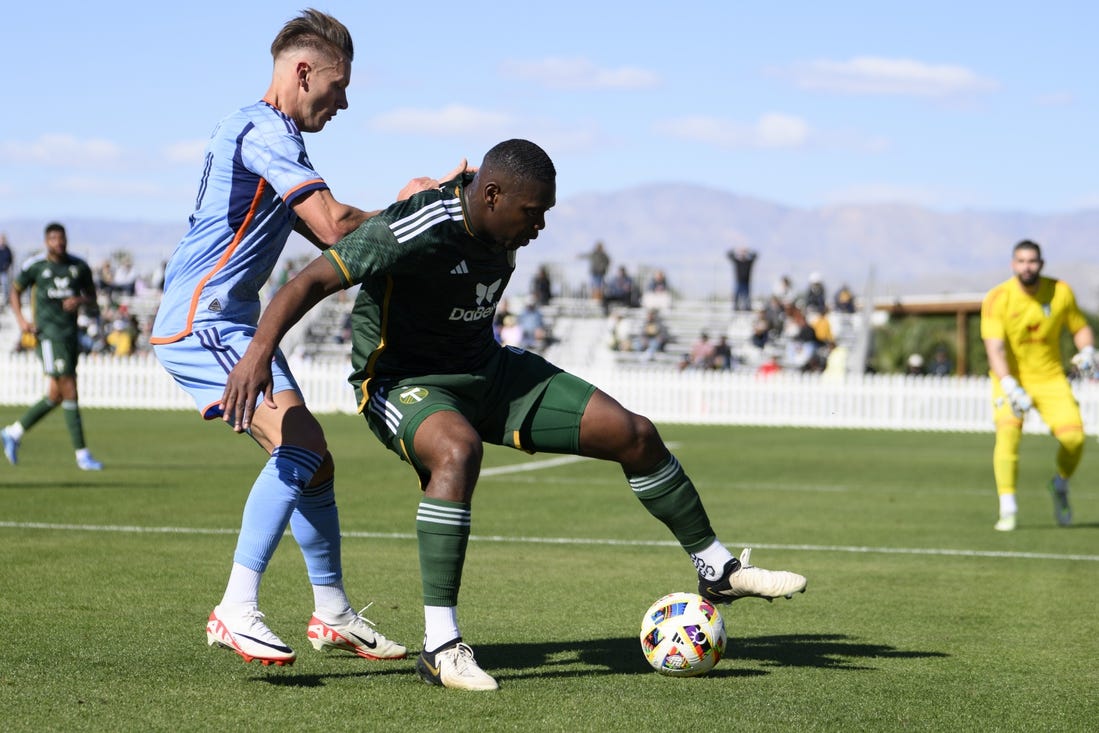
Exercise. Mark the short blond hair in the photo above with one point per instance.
(316, 30)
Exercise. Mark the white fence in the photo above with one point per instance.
(718, 398)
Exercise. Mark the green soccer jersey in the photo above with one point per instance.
(429, 289)
(53, 282)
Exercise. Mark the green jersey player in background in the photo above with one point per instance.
(61, 285)
(434, 384)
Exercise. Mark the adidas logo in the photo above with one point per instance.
(215, 306)
(460, 269)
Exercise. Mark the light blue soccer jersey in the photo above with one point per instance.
(255, 168)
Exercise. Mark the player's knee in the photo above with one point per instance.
(1071, 440)
(455, 454)
(641, 443)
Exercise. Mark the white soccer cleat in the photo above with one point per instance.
(743, 580)
(355, 635)
(454, 666)
(87, 463)
(245, 633)
(11, 447)
(1006, 522)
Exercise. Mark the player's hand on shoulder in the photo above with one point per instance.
(426, 183)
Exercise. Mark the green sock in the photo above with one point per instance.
(671, 497)
(442, 533)
(36, 412)
(72, 422)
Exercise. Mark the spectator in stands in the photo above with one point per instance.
(775, 312)
(123, 332)
(701, 355)
(540, 287)
(105, 278)
(621, 333)
(815, 296)
(941, 366)
(657, 293)
(801, 343)
(6, 260)
(761, 329)
(620, 289)
(771, 364)
(723, 354)
(844, 300)
(598, 264)
(532, 324)
(783, 289)
(742, 259)
(822, 327)
(89, 333)
(502, 312)
(125, 278)
(653, 336)
(511, 333)
(914, 366)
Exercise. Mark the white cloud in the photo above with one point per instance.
(449, 121)
(459, 121)
(579, 73)
(184, 151)
(876, 75)
(58, 149)
(772, 130)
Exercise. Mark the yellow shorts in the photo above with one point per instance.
(1053, 400)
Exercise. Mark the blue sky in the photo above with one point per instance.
(949, 105)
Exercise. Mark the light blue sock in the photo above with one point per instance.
(270, 503)
(316, 527)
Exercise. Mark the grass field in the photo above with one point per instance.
(918, 615)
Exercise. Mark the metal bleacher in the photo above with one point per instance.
(581, 333)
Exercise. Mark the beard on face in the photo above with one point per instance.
(1029, 278)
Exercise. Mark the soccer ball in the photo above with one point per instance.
(682, 635)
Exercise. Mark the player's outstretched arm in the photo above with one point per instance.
(324, 221)
(251, 377)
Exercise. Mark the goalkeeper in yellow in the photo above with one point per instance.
(1021, 324)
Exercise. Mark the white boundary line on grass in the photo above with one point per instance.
(939, 552)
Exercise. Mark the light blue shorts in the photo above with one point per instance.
(201, 362)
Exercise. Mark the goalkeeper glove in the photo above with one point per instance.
(1016, 396)
(1084, 361)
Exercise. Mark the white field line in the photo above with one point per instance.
(588, 541)
(550, 463)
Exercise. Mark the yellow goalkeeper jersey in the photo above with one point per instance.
(1030, 326)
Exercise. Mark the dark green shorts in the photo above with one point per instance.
(58, 356)
(518, 400)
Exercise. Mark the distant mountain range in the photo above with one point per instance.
(686, 230)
